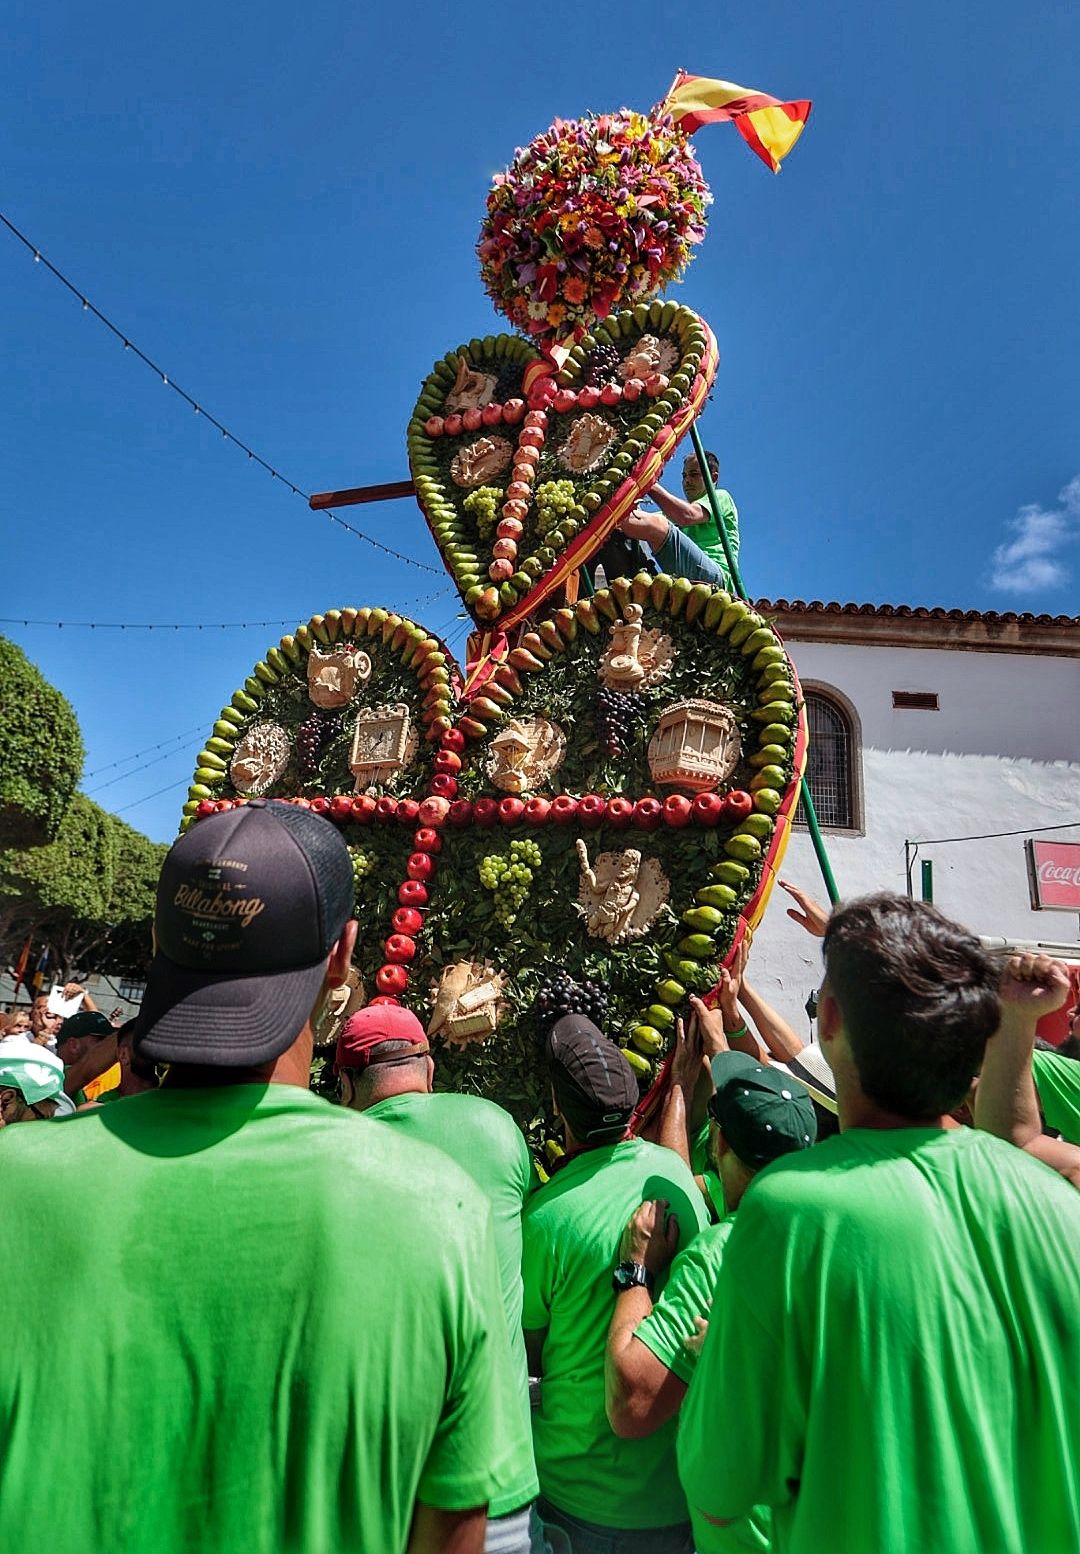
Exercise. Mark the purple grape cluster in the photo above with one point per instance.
(618, 717)
(312, 737)
(603, 366)
(561, 994)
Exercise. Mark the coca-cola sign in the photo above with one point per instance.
(1054, 875)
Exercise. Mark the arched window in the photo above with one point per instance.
(832, 765)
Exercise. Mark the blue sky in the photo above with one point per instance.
(280, 207)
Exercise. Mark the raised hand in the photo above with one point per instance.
(807, 912)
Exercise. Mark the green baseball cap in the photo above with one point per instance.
(762, 1112)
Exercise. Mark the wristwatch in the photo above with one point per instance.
(629, 1275)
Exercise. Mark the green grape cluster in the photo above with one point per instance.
(554, 499)
(362, 865)
(508, 876)
(483, 504)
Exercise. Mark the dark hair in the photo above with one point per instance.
(919, 999)
(711, 460)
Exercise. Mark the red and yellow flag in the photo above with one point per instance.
(769, 127)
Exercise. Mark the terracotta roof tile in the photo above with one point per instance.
(916, 612)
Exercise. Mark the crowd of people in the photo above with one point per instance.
(830, 1302)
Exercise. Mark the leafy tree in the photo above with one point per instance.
(89, 894)
(43, 752)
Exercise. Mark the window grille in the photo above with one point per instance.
(132, 991)
(829, 764)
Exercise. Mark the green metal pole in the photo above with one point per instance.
(714, 503)
(740, 588)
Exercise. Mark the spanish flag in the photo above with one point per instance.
(769, 127)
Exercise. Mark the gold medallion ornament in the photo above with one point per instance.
(525, 753)
(383, 744)
(334, 676)
(259, 759)
(621, 894)
(468, 1002)
(695, 745)
(634, 658)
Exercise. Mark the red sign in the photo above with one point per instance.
(1054, 875)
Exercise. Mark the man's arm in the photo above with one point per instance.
(640, 1393)
(1006, 1101)
(781, 1040)
(447, 1532)
(676, 508)
(689, 1088)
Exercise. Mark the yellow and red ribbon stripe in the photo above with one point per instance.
(769, 127)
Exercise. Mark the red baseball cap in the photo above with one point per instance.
(369, 1027)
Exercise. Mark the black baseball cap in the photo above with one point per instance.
(594, 1085)
(250, 903)
(85, 1022)
(761, 1111)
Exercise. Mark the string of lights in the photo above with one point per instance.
(135, 771)
(188, 733)
(417, 604)
(199, 409)
(169, 787)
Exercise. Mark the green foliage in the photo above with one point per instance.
(43, 752)
(88, 893)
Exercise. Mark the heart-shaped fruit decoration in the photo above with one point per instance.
(522, 470)
(595, 828)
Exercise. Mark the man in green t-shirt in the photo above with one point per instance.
(756, 1114)
(892, 1356)
(386, 1072)
(683, 535)
(282, 1318)
(605, 1493)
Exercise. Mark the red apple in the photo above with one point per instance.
(510, 810)
(611, 393)
(485, 811)
(452, 425)
(385, 808)
(591, 809)
(513, 412)
(443, 785)
(363, 808)
(434, 426)
(492, 414)
(421, 866)
(427, 840)
(472, 419)
(737, 805)
(206, 807)
(320, 805)
(407, 920)
(384, 998)
(399, 948)
(391, 979)
(412, 894)
(433, 812)
(461, 813)
(407, 812)
(677, 810)
(648, 814)
(707, 809)
(341, 806)
(588, 397)
(537, 810)
(447, 761)
(565, 399)
(620, 812)
(564, 809)
(453, 739)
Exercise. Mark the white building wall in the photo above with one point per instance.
(1001, 754)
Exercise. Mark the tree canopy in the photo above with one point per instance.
(43, 752)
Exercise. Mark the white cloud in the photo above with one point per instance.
(1031, 559)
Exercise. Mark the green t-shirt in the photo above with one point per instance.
(894, 1351)
(242, 1319)
(688, 1294)
(488, 1145)
(571, 1230)
(706, 535)
(1057, 1079)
